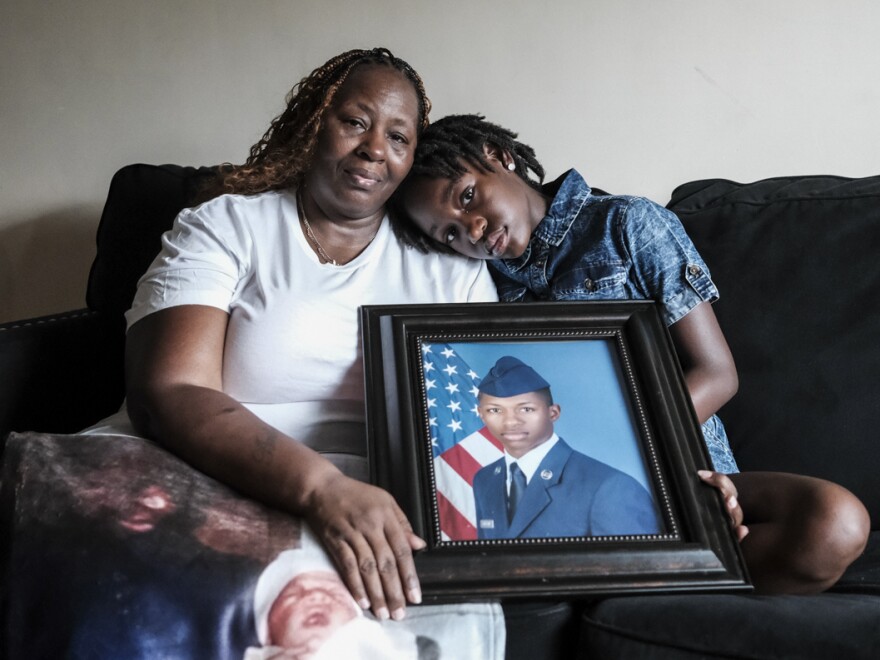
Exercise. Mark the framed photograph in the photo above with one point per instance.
(548, 449)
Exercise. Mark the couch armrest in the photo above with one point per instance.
(60, 372)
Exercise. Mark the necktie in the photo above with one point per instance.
(517, 488)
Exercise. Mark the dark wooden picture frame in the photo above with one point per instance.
(693, 548)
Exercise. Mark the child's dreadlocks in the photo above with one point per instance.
(456, 138)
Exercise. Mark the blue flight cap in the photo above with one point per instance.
(510, 377)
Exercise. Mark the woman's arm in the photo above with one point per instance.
(709, 371)
(174, 361)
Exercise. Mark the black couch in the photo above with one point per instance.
(793, 258)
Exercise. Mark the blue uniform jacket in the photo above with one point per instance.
(570, 494)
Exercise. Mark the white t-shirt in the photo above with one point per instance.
(293, 354)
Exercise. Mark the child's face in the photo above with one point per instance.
(484, 215)
(520, 422)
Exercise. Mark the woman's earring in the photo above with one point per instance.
(511, 166)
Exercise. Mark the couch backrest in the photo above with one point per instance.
(142, 203)
(795, 260)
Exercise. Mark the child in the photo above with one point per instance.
(470, 191)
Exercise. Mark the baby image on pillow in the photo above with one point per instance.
(304, 611)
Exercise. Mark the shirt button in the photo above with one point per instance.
(590, 285)
(694, 270)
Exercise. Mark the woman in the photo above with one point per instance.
(242, 353)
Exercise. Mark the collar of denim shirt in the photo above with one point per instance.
(569, 193)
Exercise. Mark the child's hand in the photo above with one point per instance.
(728, 491)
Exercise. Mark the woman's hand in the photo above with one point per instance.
(371, 542)
(731, 501)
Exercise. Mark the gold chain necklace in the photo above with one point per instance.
(314, 239)
(310, 234)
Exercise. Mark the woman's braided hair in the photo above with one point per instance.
(284, 153)
(445, 150)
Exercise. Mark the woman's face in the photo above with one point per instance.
(483, 215)
(365, 147)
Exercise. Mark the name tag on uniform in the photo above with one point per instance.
(487, 523)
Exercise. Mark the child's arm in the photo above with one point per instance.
(711, 379)
(708, 367)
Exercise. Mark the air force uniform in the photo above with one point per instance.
(569, 494)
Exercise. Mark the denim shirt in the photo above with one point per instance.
(606, 247)
(612, 247)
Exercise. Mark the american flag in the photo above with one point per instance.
(461, 444)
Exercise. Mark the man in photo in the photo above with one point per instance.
(542, 487)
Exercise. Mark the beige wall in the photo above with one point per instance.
(639, 95)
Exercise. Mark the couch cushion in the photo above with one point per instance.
(734, 626)
(142, 203)
(842, 624)
(795, 261)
